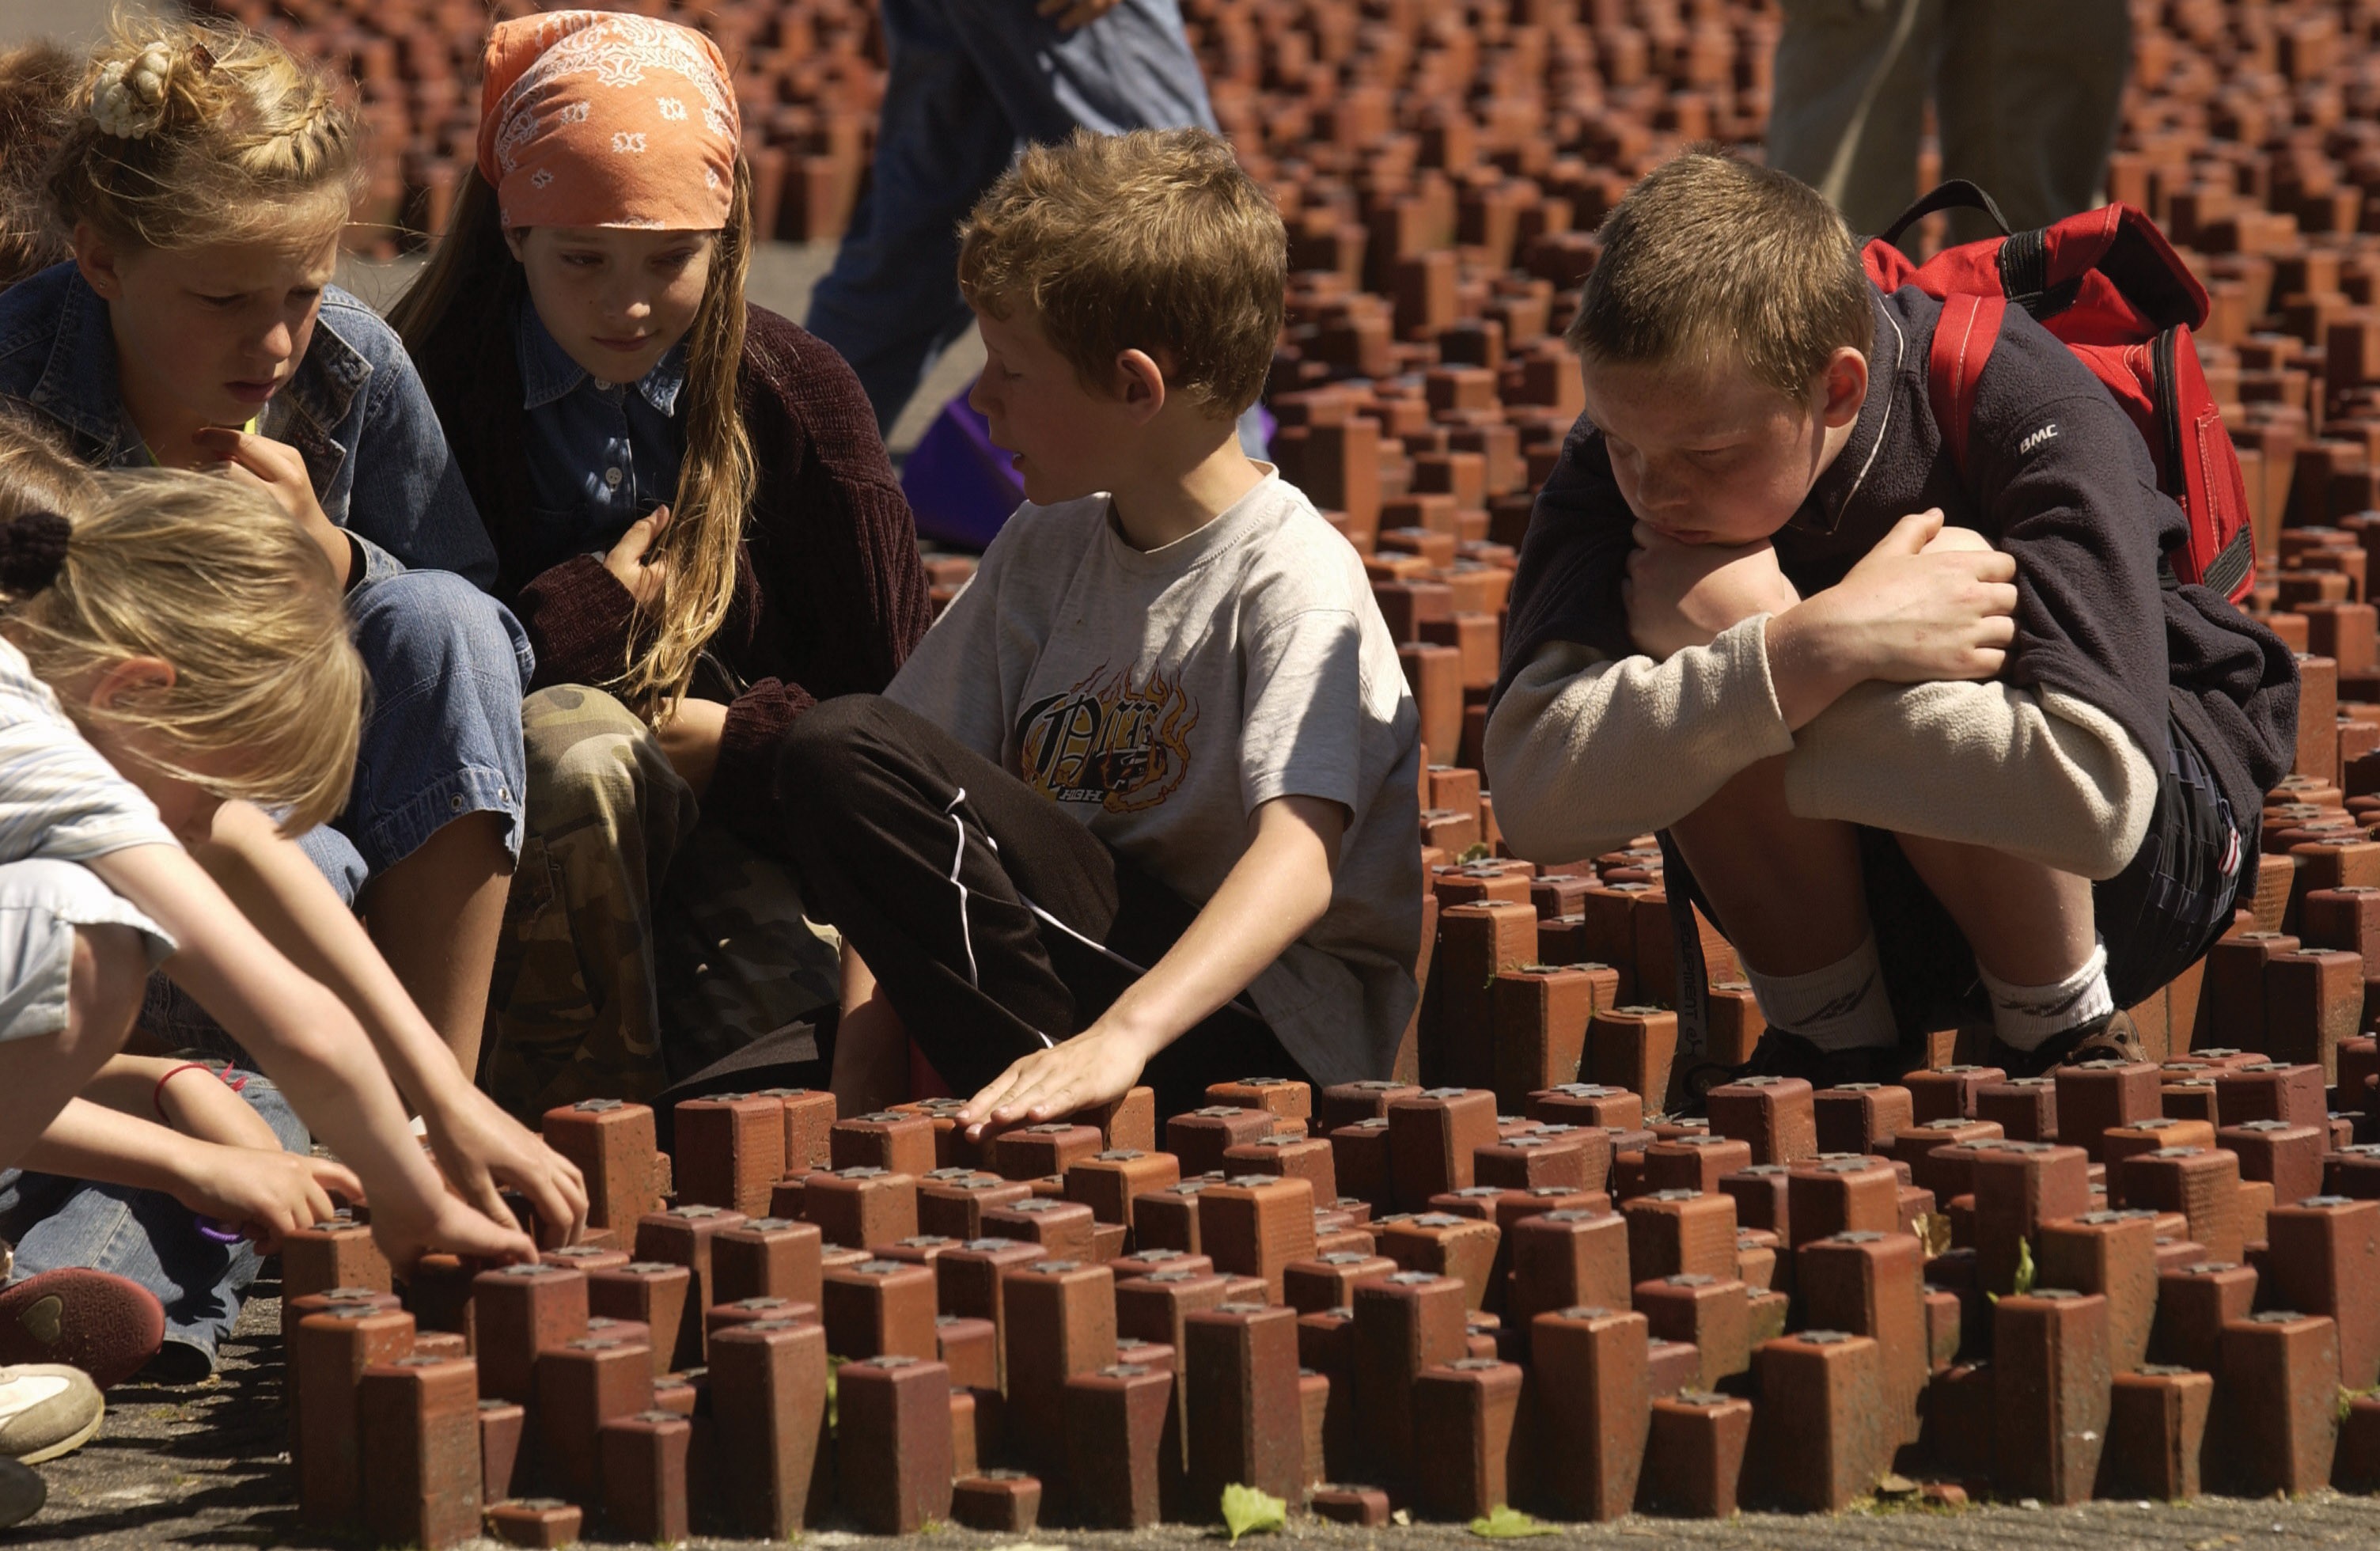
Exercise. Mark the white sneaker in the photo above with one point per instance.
(46, 1410)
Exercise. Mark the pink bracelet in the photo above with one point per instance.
(157, 1094)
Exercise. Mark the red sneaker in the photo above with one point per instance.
(104, 1324)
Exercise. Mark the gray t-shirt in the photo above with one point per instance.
(1161, 696)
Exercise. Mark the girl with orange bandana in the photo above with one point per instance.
(695, 519)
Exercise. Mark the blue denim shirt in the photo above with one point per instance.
(354, 411)
(601, 455)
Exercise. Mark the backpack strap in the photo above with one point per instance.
(1956, 194)
(1969, 326)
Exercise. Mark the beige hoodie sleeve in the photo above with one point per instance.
(1584, 753)
(2038, 775)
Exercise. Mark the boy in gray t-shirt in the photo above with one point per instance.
(1141, 805)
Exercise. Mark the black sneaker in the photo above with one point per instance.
(1780, 1054)
(2112, 1037)
(22, 1492)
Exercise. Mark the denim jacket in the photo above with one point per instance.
(354, 411)
(601, 455)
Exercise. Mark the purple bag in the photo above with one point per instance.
(959, 484)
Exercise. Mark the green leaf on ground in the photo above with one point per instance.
(2024, 1268)
(1247, 1511)
(1510, 1523)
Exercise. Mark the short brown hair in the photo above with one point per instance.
(1157, 240)
(1713, 261)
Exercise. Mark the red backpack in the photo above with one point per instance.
(2112, 289)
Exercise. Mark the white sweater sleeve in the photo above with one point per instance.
(1584, 752)
(2039, 775)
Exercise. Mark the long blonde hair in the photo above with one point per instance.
(466, 289)
(182, 133)
(268, 694)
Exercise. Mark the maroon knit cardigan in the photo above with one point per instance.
(830, 596)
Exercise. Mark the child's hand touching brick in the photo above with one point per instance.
(1683, 595)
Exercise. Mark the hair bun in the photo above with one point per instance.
(128, 99)
(32, 548)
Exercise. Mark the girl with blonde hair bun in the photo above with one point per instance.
(202, 176)
(695, 518)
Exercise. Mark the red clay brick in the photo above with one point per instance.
(2201, 1183)
(1821, 1431)
(768, 1398)
(2277, 1403)
(2112, 1254)
(613, 1144)
(418, 1432)
(1839, 1195)
(1464, 1414)
(1873, 1284)
(731, 1151)
(2325, 1259)
(1402, 1324)
(1713, 1315)
(1245, 1422)
(1695, 1455)
(1591, 1409)
(2194, 1304)
(1115, 1430)
(2157, 1432)
(1860, 1116)
(893, 1442)
(1000, 1501)
(643, 1460)
(1774, 1115)
(896, 1143)
(2050, 1356)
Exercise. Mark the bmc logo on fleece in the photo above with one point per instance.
(2046, 433)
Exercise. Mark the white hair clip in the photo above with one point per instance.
(130, 100)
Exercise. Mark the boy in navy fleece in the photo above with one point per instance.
(1914, 732)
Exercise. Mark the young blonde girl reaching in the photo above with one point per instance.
(196, 652)
(693, 515)
(129, 720)
(202, 176)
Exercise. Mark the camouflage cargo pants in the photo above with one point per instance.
(640, 944)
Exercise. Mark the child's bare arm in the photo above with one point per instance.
(1280, 887)
(308, 1042)
(265, 1193)
(181, 1094)
(480, 1147)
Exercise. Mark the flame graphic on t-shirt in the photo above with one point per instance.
(1109, 740)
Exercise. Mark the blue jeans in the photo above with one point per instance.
(971, 81)
(144, 1235)
(442, 739)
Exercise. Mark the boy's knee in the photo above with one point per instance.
(830, 739)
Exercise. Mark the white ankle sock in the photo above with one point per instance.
(1840, 1007)
(2026, 1016)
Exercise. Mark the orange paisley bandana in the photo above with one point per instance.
(596, 118)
